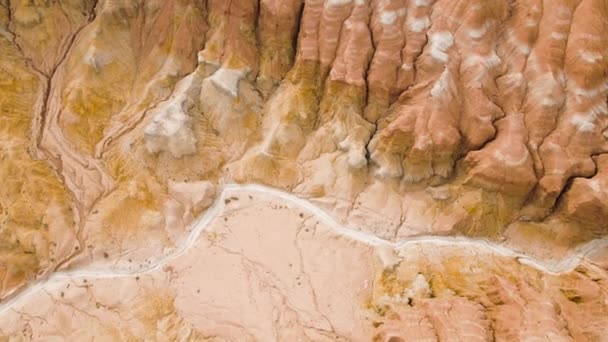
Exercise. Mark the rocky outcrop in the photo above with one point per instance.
(580, 130)
(585, 202)
(121, 121)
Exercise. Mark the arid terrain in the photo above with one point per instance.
(290, 170)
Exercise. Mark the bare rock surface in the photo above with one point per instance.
(433, 167)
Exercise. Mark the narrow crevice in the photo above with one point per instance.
(368, 153)
(296, 35)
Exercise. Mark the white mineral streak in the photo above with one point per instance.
(401, 247)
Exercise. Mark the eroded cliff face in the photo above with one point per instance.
(123, 122)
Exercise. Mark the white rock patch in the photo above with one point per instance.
(481, 31)
(171, 131)
(441, 85)
(440, 42)
(585, 92)
(583, 123)
(171, 127)
(97, 59)
(487, 62)
(419, 288)
(590, 57)
(594, 184)
(422, 3)
(389, 17)
(388, 257)
(419, 24)
(559, 36)
(337, 2)
(228, 80)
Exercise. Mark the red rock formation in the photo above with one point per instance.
(585, 201)
(121, 120)
(579, 134)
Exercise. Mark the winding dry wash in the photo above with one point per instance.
(425, 170)
(282, 220)
(218, 208)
